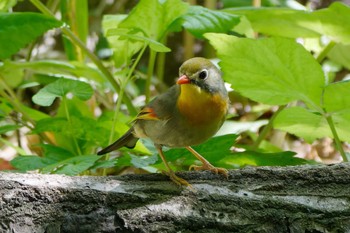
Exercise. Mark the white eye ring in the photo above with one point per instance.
(203, 74)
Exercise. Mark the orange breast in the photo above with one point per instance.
(200, 107)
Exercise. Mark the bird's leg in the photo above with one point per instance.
(170, 172)
(206, 165)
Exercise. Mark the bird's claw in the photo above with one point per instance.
(209, 167)
(177, 180)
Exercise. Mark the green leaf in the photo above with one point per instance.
(213, 150)
(217, 151)
(254, 158)
(51, 124)
(5, 5)
(332, 21)
(340, 54)
(56, 153)
(335, 22)
(28, 162)
(8, 128)
(312, 125)
(123, 49)
(155, 45)
(19, 29)
(72, 166)
(154, 17)
(270, 21)
(143, 161)
(72, 68)
(199, 20)
(336, 96)
(12, 77)
(60, 88)
(273, 71)
(104, 164)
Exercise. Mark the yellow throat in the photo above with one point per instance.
(200, 107)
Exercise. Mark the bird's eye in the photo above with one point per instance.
(203, 74)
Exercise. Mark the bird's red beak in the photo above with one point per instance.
(184, 79)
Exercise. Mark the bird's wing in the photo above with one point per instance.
(160, 108)
(147, 113)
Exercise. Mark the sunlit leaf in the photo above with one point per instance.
(336, 96)
(341, 55)
(311, 125)
(269, 20)
(5, 5)
(273, 71)
(331, 21)
(335, 21)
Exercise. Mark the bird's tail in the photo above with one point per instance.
(128, 140)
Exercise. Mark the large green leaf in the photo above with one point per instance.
(154, 17)
(253, 158)
(312, 125)
(60, 88)
(341, 55)
(217, 151)
(19, 29)
(199, 20)
(337, 97)
(332, 21)
(272, 71)
(213, 150)
(335, 22)
(270, 21)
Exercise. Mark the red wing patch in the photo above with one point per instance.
(147, 113)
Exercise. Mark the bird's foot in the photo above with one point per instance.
(209, 167)
(177, 180)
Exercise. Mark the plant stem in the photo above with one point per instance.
(336, 137)
(11, 97)
(267, 128)
(151, 62)
(64, 99)
(161, 63)
(325, 51)
(91, 55)
(119, 100)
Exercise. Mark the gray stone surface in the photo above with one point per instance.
(264, 199)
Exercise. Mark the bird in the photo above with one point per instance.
(187, 114)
